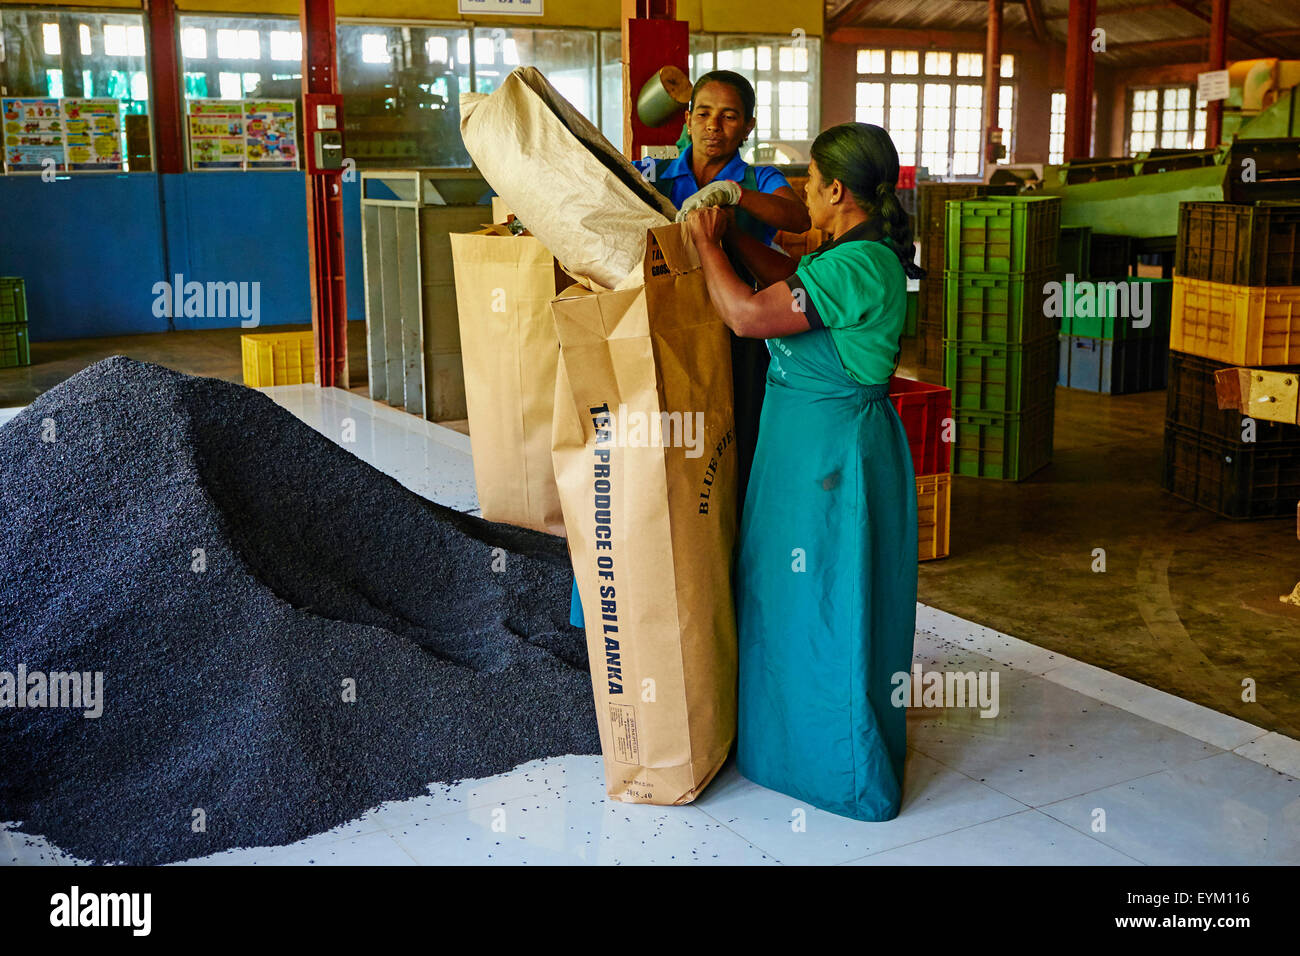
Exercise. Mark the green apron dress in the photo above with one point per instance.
(826, 578)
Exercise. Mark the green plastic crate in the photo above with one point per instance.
(997, 307)
(13, 301)
(909, 324)
(1110, 322)
(1072, 252)
(1003, 233)
(1000, 378)
(1008, 447)
(14, 348)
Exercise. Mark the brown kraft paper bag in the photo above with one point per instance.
(504, 285)
(561, 177)
(645, 465)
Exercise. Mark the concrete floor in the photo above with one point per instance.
(214, 353)
(1176, 783)
(1188, 602)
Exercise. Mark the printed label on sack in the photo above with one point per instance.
(622, 728)
(711, 472)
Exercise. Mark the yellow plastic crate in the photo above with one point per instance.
(1236, 324)
(279, 358)
(933, 507)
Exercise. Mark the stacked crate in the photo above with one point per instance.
(926, 411)
(931, 223)
(1236, 303)
(1000, 345)
(1109, 256)
(14, 347)
(1112, 351)
(279, 358)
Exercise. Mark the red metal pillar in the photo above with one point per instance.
(165, 85)
(1218, 60)
(1078, 79)
(653, 38)
(322, 107)
(992, 74)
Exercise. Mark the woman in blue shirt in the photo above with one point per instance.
(710, 172)
(719, 119)
(826, 581)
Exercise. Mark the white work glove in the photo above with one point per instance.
(723, 192)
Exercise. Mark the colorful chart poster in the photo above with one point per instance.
(271, 134)
(93, 133)
(216, 134)
(33, 134)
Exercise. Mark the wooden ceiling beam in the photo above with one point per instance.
(1037, 25)
(846, 16)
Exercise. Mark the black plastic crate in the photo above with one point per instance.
(1191, 403)
(1239, 243)
(1112, 366)
(1109, 257)
(931, 200)
(1231, 479)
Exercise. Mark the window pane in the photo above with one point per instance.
(286, 45)
(611, 85)
(792, 59)
(404, 110)
(1056, 137)
(936, 127)
(871, 103)
(1008, 65)
(194, 43)
(374, 49)
(788, 113)
(902, 120)
(904, 61)
(1006, 119)
(970, 64)
(938, 63)
(871, 61)
(104, 55)
(115, 39)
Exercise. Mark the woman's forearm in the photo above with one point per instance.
(768, 265)
(781, 212)
(730, 295)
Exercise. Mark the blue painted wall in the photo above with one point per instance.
(92, 247)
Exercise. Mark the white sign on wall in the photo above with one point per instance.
(509, 8)
(1212, 86)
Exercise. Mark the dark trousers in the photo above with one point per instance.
(749, 361)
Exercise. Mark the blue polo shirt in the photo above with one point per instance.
(677, 172)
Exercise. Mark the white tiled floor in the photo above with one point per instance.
(1080, 767)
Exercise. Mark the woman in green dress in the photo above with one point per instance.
(826, 578)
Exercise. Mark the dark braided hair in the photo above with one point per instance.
(863, 158)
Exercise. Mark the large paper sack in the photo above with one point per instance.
(651, 525)
(504, 285)
(561, 177)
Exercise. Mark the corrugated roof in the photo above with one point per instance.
(1137, 31)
